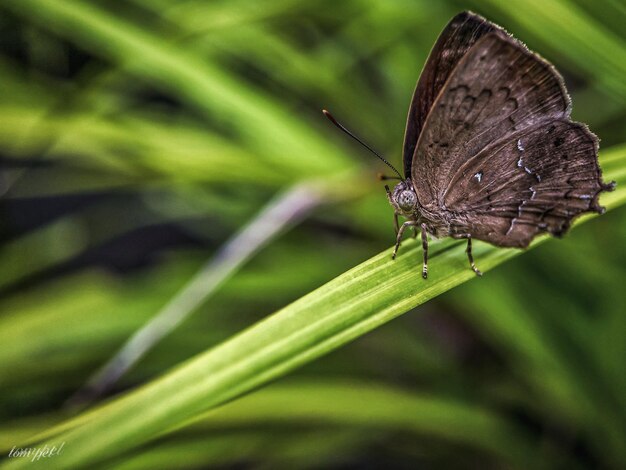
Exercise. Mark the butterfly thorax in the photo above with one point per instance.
(405, 203)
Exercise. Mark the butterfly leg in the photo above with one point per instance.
(468, 250)
(403, 227)
(425, 251)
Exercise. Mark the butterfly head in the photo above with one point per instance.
(403, 198)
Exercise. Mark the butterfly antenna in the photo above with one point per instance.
(340, 126)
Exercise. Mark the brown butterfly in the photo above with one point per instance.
(490, 151)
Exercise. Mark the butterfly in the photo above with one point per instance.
(490, 152)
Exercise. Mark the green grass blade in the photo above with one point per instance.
(374, 406)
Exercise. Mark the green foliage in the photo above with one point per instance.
(194, 114)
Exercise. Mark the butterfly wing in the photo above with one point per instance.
(498, 152)
(454, 41)
(535, 181)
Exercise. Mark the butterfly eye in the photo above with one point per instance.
(407, 200)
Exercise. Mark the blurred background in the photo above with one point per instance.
(137, 137)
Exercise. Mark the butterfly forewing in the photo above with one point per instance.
(497, 90)
(455, 40)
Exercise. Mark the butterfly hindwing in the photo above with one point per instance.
(533, 182)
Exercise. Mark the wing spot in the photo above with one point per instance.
(464, 88)
(520, 146)
(479, 176)
(506, 90)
